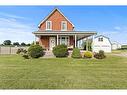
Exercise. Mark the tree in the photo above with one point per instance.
(7, 42)
(28, 44)
(16, 43)
(88, 44)
(84, 45)
(23, 44)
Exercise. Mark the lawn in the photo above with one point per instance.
(62, 73)
(119, 51)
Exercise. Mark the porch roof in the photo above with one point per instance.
(79, 34)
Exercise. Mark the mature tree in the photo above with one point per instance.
(84, 45)
(23, 44)
(16, 43)
(89, 43)
(28, 44)
(7, 42)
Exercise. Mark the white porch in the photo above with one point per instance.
(61, 37)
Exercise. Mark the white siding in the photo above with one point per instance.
(104, 45)
(115, 46)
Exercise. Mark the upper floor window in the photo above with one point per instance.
(100, 39)
(63, 25)
(48, 25)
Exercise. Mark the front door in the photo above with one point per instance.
(52, 42)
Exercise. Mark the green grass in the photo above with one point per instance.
(62, 73)
(119, 51)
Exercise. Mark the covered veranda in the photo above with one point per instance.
(77, 35)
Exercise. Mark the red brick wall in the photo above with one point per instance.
(44, 41)
(56, 19)
(71, 40)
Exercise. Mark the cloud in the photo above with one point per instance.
(11, 16)
(117, 28)
(13, 29)
(116, 35)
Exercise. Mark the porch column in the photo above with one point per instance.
(75, 41)
(87, 44)
(92, 43)
(57, 39)
(35, 41)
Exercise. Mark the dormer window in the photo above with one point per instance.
(64, 25)
(100, 39)
(48, 25)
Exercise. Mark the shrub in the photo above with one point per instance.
(26, 56)
(88, 54)
(60, 51)
(76, 53)
(35, 51)
(100, 55)
(24, 51)
(19, 50)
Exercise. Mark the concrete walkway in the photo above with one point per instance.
(48, 54)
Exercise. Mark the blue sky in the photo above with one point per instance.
(18, 22)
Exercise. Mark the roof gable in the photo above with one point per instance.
(101, 36)
(51, 14)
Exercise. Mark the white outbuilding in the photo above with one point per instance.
(116, 45)
(101, 43)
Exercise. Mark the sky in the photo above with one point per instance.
(18, 22)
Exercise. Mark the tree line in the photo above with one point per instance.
(9, 43)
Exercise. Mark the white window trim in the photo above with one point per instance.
(50, 25)
(100, 39)
(68, 43)
(62, 24)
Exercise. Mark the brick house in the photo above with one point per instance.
(57, 29)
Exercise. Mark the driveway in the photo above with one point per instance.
(124, 54)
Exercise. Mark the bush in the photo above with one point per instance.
(100, 55)
(76, 53)
(19, 50)
(26, 56)
(88, 54)
(60, 51)
(24, 51)
(35, 51)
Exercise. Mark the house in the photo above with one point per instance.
(116, 45)
(56, 29)
(101, 43)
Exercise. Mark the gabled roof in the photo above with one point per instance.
(104, 37)
(115, 42)
(101, 36)
(51, 14)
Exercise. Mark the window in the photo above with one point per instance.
(100, 39)
(48, 25)
(63, 25)
(64, 40)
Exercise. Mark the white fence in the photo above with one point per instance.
(10, 50)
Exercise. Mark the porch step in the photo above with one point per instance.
(49, 54)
